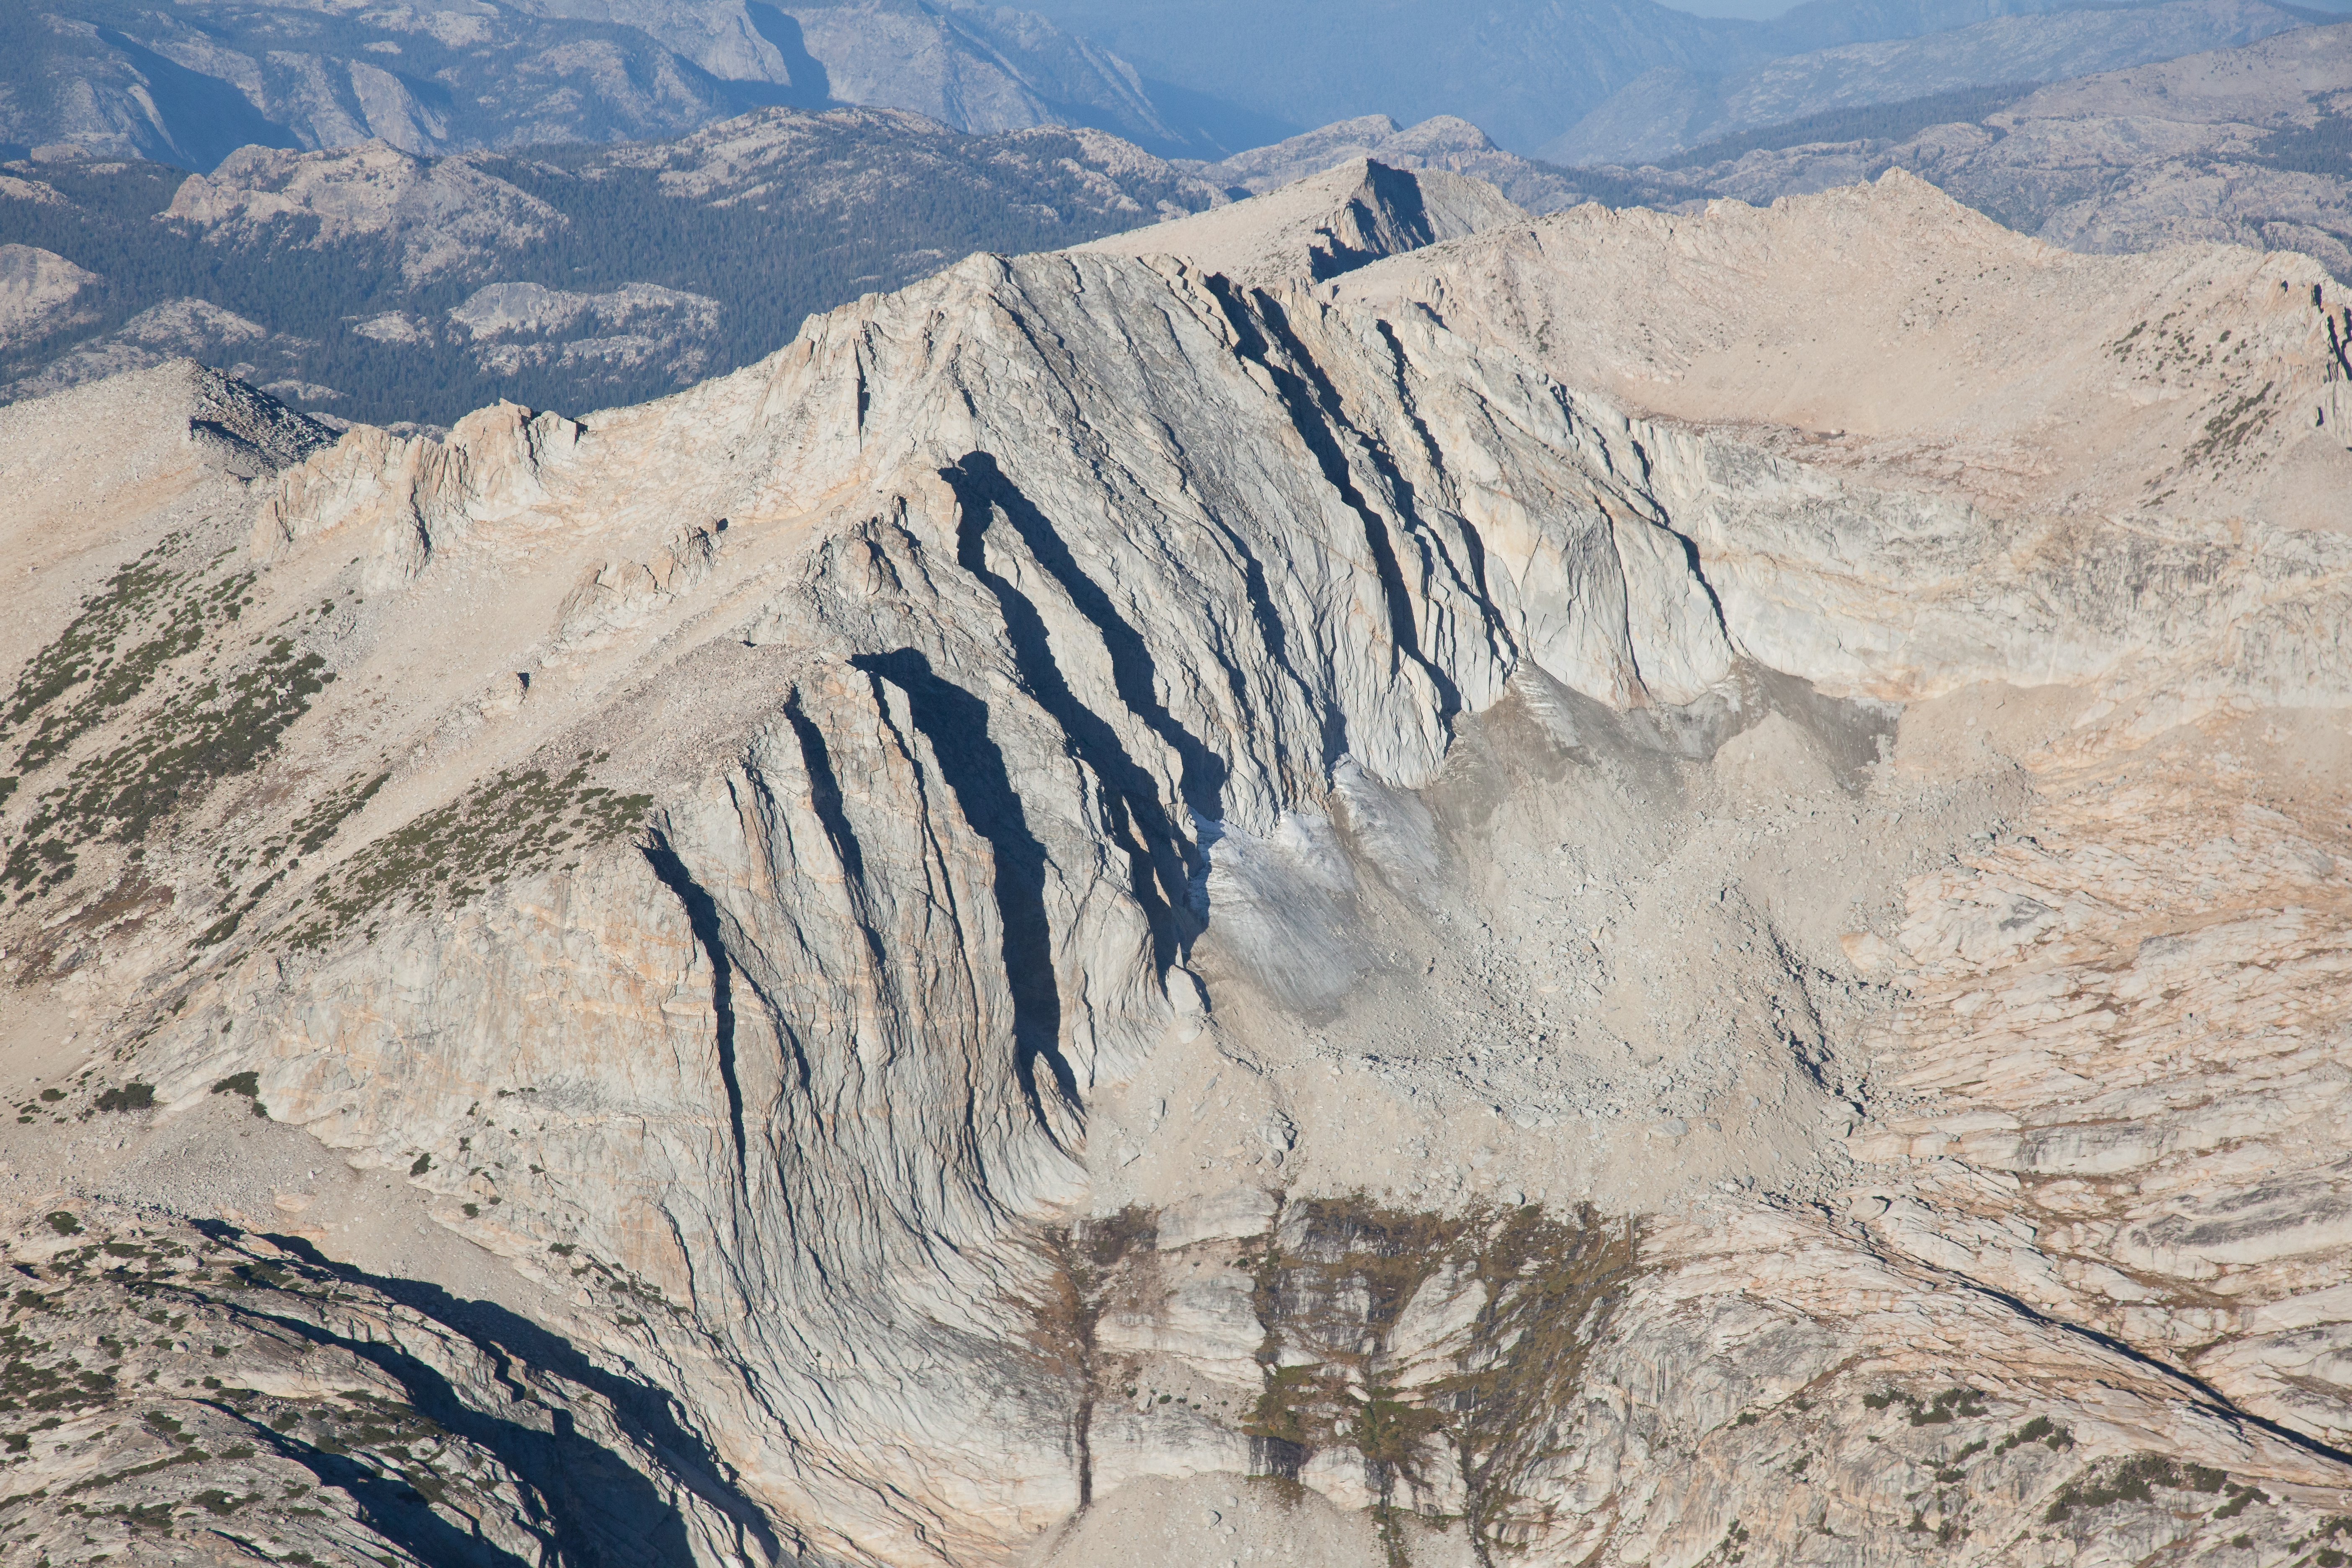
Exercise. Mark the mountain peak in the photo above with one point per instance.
(1350, 215)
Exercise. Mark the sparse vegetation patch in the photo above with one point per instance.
(513, 826)
(2130, 1480)
(128, 1096)
(154, 595)
(247, 1084)
(215, 727)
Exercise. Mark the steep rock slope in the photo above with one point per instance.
(1888, 332)
(2243, 146)
(1446, 142)
(1343, 218)
(1665, 111)
(1090, 892)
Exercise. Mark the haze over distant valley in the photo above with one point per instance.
(2249, 146)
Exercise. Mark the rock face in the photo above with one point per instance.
(2240, 146)
(1348, 217)
(1501, 905)
(1447, 143)
(291, 1400)
(1669, 109)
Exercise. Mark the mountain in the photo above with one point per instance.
(369, 283)
(974, 66)
(191, 83)
(1594, 80)
(1455, 146)
(1670, 110)
(2249, 146)
(1526, 70)
(1350, 215)
(1633, 888)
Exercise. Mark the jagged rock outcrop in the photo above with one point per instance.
(1348, 217)
(1446, 142)
(1477, 896)
(412, 494)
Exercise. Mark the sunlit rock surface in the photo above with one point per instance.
(1487, 909)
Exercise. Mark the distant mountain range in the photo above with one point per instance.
(2248, 146)
(190, 83)
(1669, 109)
(1581, 79)
(1524, 70)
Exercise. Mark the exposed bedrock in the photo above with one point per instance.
(1089, 893)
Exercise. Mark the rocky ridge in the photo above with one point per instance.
(1348, 216)
(1668, 110)
(2241, 146)
(1444, 142)
(1496, 904)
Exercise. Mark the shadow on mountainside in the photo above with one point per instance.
(601, 1508)
(810, 86)
(956, 724)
